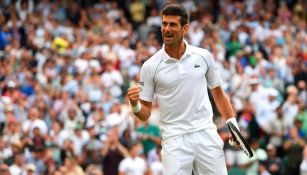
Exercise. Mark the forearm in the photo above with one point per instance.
(224, 106)
(123, 150)
(155, 139)
(301, 142)
(287, 145)
(144, 113)
(104, 151)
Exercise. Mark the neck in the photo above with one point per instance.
(175, 51)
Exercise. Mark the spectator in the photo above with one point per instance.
(85, 55)
(252, 165)
(277, 131)
(71, 167)
(113, 80)
(155, 161)
(4, 170)
(79, 138)
(72, 117)
(137, 11)
(134, 164)
(36, 157)
(93, 170)
(259, 98)
(5, 150)
(302, 117)
(24, 8)
(91, 150)
(19, 165)
(149, 135)
(30, 169)
(290, 107)
(274, 164)
(113, 152)
(33, 121)
(293, 147)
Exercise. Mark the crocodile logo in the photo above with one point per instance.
(196, 65)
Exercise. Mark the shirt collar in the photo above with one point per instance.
(186, 53)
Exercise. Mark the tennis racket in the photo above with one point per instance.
(237, 137)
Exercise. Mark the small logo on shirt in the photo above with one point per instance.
(141, 83)
(196, 65)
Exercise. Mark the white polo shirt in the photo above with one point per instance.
(180, 88)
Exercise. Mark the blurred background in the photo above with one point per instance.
(65, 67)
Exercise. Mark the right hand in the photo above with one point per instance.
(134, 95)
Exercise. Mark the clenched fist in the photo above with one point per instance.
(134, 95)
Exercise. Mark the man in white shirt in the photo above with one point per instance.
(178, 76)
(133, 164)
(19, 166)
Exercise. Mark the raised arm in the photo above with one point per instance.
(140, 108)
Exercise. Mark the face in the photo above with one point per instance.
(172, 31)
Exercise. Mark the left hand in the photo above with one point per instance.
(232, 142)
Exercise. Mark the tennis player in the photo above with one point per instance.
(178, 76)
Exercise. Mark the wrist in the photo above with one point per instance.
(233, 120)
(136, 108)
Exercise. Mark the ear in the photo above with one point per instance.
(185, 28)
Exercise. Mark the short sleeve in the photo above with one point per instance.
(122, 166)
(146, 83)
(213, 76)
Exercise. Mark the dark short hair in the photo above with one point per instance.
(176, 10)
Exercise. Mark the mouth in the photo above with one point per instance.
(168, 37)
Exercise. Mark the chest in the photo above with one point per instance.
(181, 73)
(135, 167)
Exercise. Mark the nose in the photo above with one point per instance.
(166, 27)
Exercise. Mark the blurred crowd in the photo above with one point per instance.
(65, 67)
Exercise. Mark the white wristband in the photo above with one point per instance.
(233, 120)
(137, 108)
